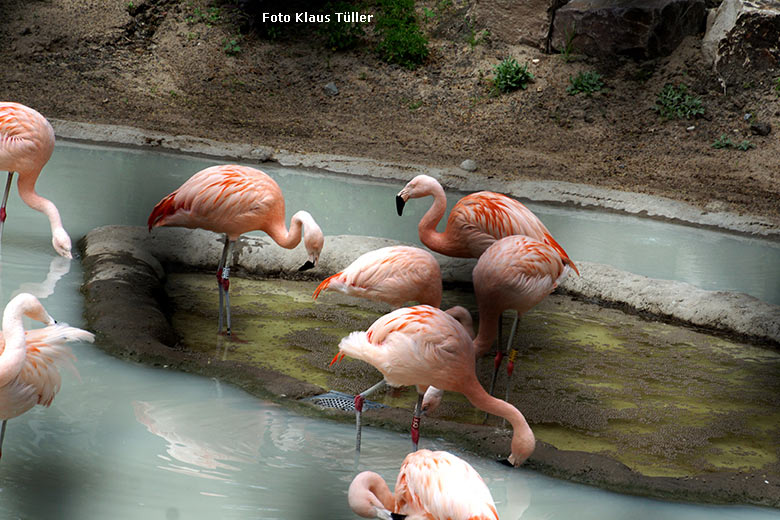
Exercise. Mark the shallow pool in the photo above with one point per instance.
(130, 442)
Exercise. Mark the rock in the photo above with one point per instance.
(743, 39)
(639, 29)
(260, 154)
(527, 22)
(761, 128)
(469, 165)
(331, 89)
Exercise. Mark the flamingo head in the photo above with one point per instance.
(61, 242)
(431, 400)
(523, 444)
(420, 186)
(32, 308)
(313, 241)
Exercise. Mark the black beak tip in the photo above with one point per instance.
(505, 462)
(399, 204)
(305, 267)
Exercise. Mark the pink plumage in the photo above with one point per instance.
(516, 272)
(29, 359)
(433, 485)
(475, 222)
(26, 144)
(395, 275)
(423, 346)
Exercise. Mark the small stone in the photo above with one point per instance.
(469, 165)
(761, 128)
(260, 154)
(331, 89)
(691, 128)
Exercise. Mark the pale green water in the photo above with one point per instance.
(130, 442)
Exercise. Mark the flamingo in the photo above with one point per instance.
(516, 272)
(423, 346)
(26, 144)
(434, 485)
(474, 224)
(28, 372)
(394, 275)
(233, 200)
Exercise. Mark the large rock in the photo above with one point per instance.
(744, 38)
(512, 22)
(637, 28)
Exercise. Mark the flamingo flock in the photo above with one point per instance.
(519, 264)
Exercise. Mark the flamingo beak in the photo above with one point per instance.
(505, 462)
(305, 267)
(397, 516)
(399, 204)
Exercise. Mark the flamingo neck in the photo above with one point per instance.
(283, 237)
(14, 352)
(26, 185)
(427, 226)
(523, 441)
(369, 493)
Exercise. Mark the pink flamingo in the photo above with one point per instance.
(476, 222)
(233, 200)
(394, 275)
(516, 272)
(435, 485)
(424, 346)
(28, 374)
(26, 144)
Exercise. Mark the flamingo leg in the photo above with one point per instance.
(359, 400)
(2, 435)
(5, 201)
(511, 354)
(416, 421)
(223, 280)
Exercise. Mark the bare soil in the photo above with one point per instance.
(165, 68)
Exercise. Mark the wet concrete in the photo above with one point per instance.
(615, 399)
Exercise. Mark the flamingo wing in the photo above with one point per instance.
(26, 138)
(439, 485)
(222, 198)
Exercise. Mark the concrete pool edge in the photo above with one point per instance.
(124, 305)
(558, 192)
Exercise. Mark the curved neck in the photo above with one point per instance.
(369, 493)
(28, 194)
(523, 440)
(287, 239)
(14, 353)
(427, 226)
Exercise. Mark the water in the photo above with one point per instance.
(99, 177)
(130, 442)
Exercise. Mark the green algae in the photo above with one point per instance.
(662, 399)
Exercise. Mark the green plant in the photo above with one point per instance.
(130, 7)
(676, 103)
(777, 85)
(402, 41)
(510, 75)
(341, 35)
(725, 141)
(210, 16)
(568, 45)
(428, 14)
(414, 105)
(475, 38)
(585, 82)
(232, 46)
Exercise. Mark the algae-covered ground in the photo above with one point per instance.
(664, 400)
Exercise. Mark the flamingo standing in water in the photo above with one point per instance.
(26, 144)
(434, 485)
(424, 346)
(28, 371)
(516, 272)
(394, 275)
(234, 200)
